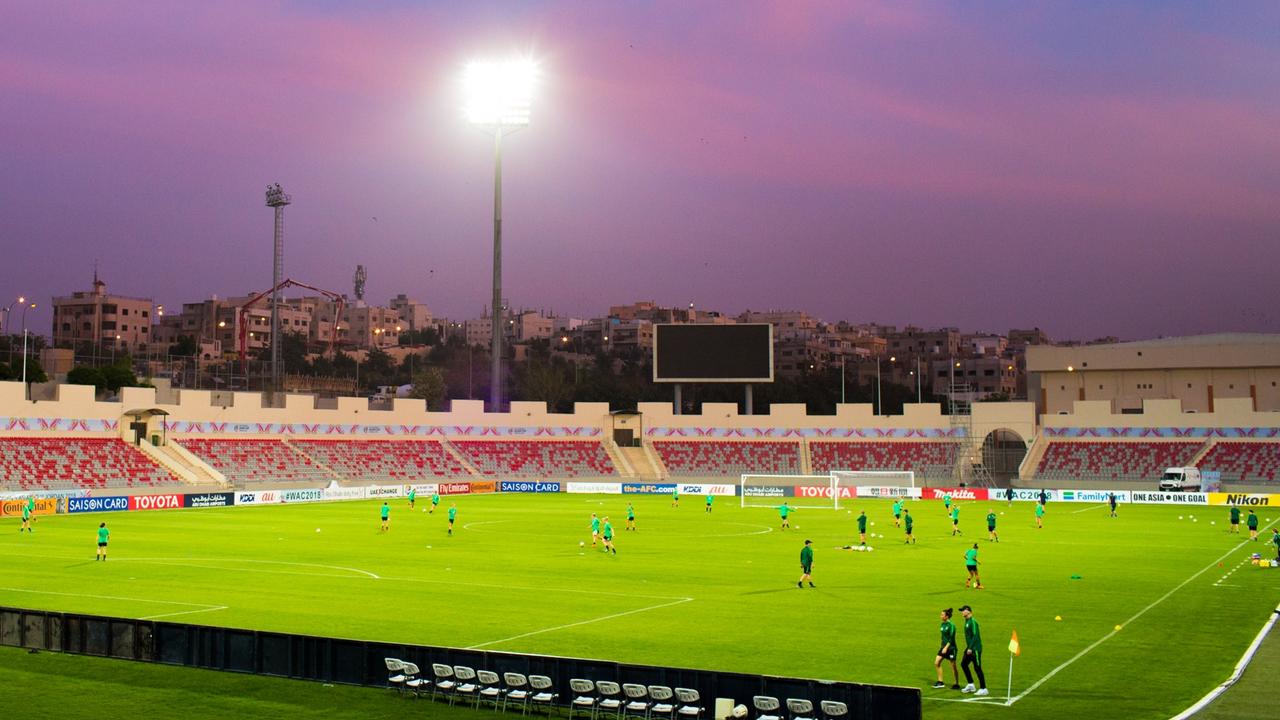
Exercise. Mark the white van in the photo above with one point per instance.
(1180, 479)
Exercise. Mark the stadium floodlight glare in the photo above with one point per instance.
(500, 93)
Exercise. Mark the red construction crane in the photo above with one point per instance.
(243, 339)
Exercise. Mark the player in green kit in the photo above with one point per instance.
(897, 513)
(806, 564)
(413, 495)
(709, 498)
(26, 518)
(608, 536)
(947, 651)
(955, 521)
(631, 517)
(1039, 515)
(946, 502)
(992, 535)
(453, 515)
(906, 518)
(435, 500)
(595, 529)
(1235, 519)
(1275, 540)
(972, 654)
(862, 528)
(103, 534)
(1252, 522)
(386, 517)
(31, 510)
(675, 496)
(971, 565)
(783, 511)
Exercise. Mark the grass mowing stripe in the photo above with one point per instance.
(566, 626)
(1137, 615)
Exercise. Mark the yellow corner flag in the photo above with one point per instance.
(1014, 646)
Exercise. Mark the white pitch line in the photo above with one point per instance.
(183, 612)
(183, 562)
(108, 597)
(1136, 615)
(1091, 507)
(580, 622)
(1236, 673)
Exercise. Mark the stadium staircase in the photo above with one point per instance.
(620, 460)
(644, 464)
(183, 465)
(461, 458)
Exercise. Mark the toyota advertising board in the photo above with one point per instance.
(155, 502)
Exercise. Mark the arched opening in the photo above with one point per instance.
(1002, 453)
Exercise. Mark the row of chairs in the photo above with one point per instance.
(605, 697)
(459, 682)
(768, 708)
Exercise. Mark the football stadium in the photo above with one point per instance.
(267, 561)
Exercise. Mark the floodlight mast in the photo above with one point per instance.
(277, 199)
(499, 95)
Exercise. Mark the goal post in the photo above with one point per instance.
(844, 483)
(798, 491)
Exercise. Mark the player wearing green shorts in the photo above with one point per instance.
(31, 510)
(709, 499)
(955, 521)
(783, 511)
(972, 654)
(631, 517)
(386, 517)
(103, 535)
(992, 535)
(413, 495)
(862, 527)
(1275, 540)
(1235, 519)
(435, 500)
(1039, 515)
(453, 515)
(675, 496)
(595, 529)
(946, 502)
(907, 519)
(1252, 522)
(897, 513)
(806, 564)
(971, 565)
(26, 519)
(608, 536)
(947, 650)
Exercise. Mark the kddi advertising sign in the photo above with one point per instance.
(1253, 499)
(1160, 498)
(265, 497)
(689, 489)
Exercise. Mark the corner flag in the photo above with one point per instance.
(1014, 646)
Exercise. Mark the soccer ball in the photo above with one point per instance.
(317, 529)
(739, 711)
(582, 543)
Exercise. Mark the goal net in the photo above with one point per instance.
(798, 491)
(878, 483)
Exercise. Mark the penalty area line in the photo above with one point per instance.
(199, 607)
(589, 621)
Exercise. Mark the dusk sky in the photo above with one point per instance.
(1094, 168)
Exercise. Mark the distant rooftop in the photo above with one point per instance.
(1238, 338)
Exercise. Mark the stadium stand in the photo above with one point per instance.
(383, 460)
(1244, 461)
(246, 462)
(75, 464)
(927, 459)
(1113, 460)
(537, 458)
(720, 458)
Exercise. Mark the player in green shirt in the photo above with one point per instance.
(992, 535)
(453, 515)
(386, 517)
(709, 498)
(435, 500)
(783, 511)
(1252, 522)
(631, 517)
(971, 565)
(946, 502)
(906, 518)
(103, 534)
(947, 651)
(26, 518)
(413, 495)
(897, 513)
(862, 528)
(608, 536)
(31, 510)
(675, 496)
(955, 521)
(1235, 519)
(1275, 540)
(1039, 515)
(806, 564)
(595, 529)
(972, 654)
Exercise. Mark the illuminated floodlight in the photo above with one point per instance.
(499, 93)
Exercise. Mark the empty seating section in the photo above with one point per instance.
(537, 458)
(1244, 461)
(927, 459)
(715, 458)
(76, 463)
(1113, 460)
(383, 460)
(256, 461)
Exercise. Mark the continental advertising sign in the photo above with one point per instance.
(1252, 499)
(484, 486)
(13, 508)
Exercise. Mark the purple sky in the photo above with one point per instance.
(1091, 168)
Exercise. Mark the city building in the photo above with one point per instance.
(414, 315)
(105, 320)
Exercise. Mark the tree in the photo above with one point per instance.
(428, 384)
(186, 346)
(35, 373)
(546, 381)
(86, 375)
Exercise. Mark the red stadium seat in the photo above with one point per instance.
(926, 458)
(537, 458)
(1244, 462)
(62, 463)
(1106, 460)
(725, 458)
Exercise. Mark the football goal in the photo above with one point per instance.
(878, 483)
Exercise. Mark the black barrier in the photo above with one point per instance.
(357, 662)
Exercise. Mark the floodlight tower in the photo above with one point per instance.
(277, 199)
(498, 98)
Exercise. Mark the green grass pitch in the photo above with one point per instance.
(701, 590)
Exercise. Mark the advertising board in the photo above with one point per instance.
(963, 493)
(824, 491)
(1250, 499)
(98, 504)
(1091, 496)
(337, 492)
(258, 497)
(301, 495)
(767, 491)
(1164, 498)
(593, 488)
(455, 488)
(648, 488)
(155, 502)
(888, 492)
(706, 489)
(528, 486)
(381, 491)
(484, 486)
(208, 500)
(13, 508)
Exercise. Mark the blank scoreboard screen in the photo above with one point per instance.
(713, 353)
